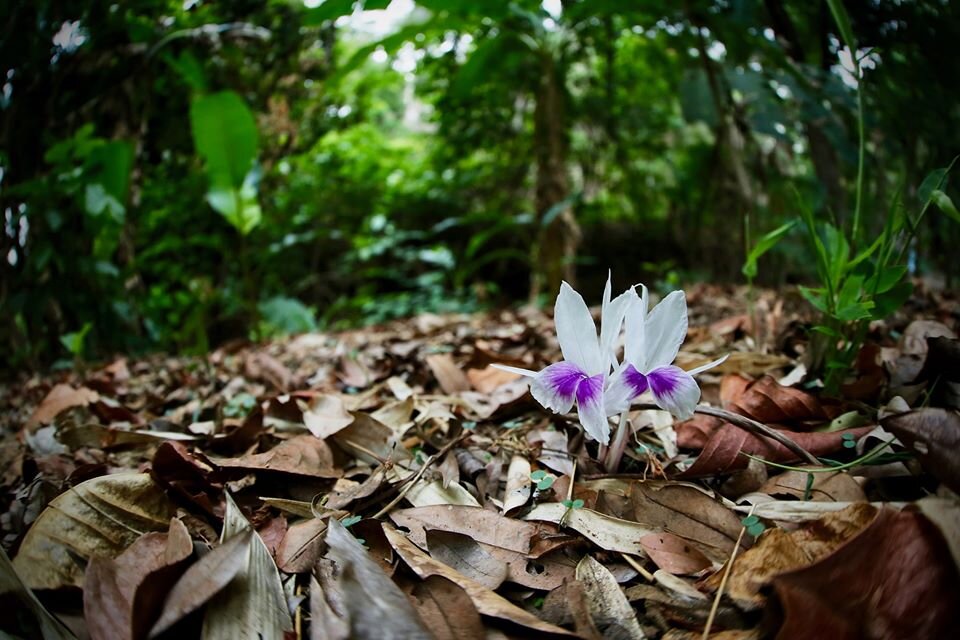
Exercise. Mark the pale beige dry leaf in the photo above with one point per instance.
(487, 602)
(253, 603)
(826, 487)
(489, 378)
(302, 455)
(519, 484)
(102, 517)
(428, 493)
(366, 435)
(325, 415)
(325, 623)
(476, 523)
(609, 607)
(607, 532)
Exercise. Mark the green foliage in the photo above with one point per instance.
(225, 135)
(282, 316)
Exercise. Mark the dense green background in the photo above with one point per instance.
(176, 174)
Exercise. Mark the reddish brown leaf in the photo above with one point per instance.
(673, 554)
(895, 579)
(488, 379)
(934, 435)
(300, 547)
(447, 610)
(765, 400)
(60, 398)
(189, 475)
(112, 586)
(474, 522)
(721, 453)
(303, 455)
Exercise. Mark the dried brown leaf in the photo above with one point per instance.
(474, 522)
(325, 415)
(450, 377)
(300, 547)
(487, 602)
(466, 556)
(447, 610)
(934, 435)
(60, 398)
(673, 554)
(303, 455)
(609, 607)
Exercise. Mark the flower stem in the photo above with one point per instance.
(619, 444)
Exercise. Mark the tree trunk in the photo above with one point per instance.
(558, 232)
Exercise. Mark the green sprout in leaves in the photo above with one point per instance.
(349, 521)
(753, 525)
(849, 441)
(573, 504)
(543, 479)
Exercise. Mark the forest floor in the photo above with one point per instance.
(400, 487)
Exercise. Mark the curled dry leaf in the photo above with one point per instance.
(302, 455)
(827, 487)
(777, 551)
(518, 484)
(122, 597)
(377, 608)
(894, 579)
(60, 398)
(609, 607)
(568, 603)
(934, 435)
(253, 604)
(450, 377)
(487, 602)
(447, 610)
(99, 517)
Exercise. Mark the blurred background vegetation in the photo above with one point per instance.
(177, 173)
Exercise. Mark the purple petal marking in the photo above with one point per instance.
(590, 390)
(565, 378)
(674, 390)
(665, 380)
(637, 382)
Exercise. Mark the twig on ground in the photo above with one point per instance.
(723, 583)
(409, 482)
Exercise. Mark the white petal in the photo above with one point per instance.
(590, 409)
(635, 328)
(611, 319)
(707, 366)
(674, 390)
(666, 328)
(523, 372)
(556, 386)
(618, 394)
(576, 331)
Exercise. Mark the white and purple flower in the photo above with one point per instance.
(652, 342)
(590, 377)
(582, 376)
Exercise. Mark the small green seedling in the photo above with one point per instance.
(543, 479)
(753, 525)
(849, 441)
(573, 504)
(349, 521)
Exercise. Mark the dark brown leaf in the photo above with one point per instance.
(895, 579)
(468, 557)
(304, 455)
(300, 548)
(934, 435)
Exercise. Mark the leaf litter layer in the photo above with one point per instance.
(389, 482)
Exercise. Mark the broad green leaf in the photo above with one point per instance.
(933, 182)
(816, 298)
(837, 252)
(764, 244)
(945, 204)
(225, 135)
(891, 300)
(886, 279)
(238, 206)
(112, 162)
(96, 202)
(189, 69)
